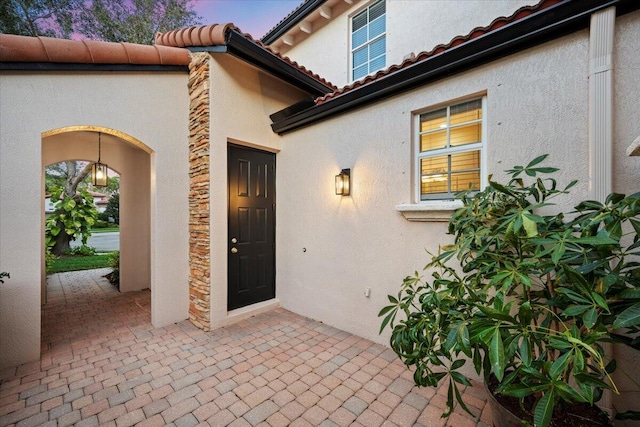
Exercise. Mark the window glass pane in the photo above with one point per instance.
(359, 37)
(434, 167)
(377, 64)
(377, 27)
(433, 175)
(465, 181)
(434, 187)
(359, 21)
(466, 112)
(360, 57)
(360, 72)
(465, 161)
(376, 10)
(377, 48)
(433, 120)
(433, 140)
(465, 134)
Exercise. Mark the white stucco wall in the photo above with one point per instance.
(626, 109)
(152, 107)
(626, 176)
(361, 241)
(412, 26)
(242, 98)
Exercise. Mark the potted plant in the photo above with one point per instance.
(529, 295)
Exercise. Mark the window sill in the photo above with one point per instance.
(434, 211)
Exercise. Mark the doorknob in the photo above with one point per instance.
(234, 250)
(234, 240)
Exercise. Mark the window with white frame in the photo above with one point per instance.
(450, 144)
(368, 40)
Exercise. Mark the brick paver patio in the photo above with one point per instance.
(103, 363)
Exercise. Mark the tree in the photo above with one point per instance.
(134, 21)
(74, 212)
(113, 208)
(74, 216)
(113, 185)
(51, 18)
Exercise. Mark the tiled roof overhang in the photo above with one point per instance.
(46, 53)
(480, 46)
(291, 20)
(226, 38)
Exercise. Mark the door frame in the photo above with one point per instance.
(271, 300)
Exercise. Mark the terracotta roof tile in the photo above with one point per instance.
(15, 48)
(215, 35)
(456, 41)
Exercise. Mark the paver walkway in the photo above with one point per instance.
(103, 363)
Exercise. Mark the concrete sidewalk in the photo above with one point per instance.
(103, 363)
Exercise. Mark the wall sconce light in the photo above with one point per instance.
(99, 175)
(343, 182)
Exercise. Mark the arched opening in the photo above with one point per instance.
(81, 221)
(132, 159)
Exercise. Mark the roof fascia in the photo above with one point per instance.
(58, 66)
(292, 20)
(239, 46)
(556, 21)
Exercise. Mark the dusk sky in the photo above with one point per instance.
(255, 17)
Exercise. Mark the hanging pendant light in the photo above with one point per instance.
(99, 177)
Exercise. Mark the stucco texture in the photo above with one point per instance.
(361, 241)
(326, 50)
(242, 98)
(152, 108)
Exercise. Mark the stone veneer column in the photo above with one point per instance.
(199, 224)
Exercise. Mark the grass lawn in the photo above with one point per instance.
(104, 230)
(75, 263)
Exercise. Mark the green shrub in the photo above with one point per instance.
(114, 263)
(83, 250)
(528, 292)
(49, 258)
(101, 224)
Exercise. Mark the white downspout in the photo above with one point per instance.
(601, 123)
(601, 103)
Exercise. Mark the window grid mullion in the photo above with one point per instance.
(449, 151)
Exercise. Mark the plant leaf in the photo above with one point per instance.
(544, 409)
(496, 355)
(629, 317)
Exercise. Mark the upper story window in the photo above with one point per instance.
(368, 40)
(450, 146)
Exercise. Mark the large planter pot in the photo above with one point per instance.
(577, 415)
(500, 415)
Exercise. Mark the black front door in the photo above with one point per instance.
(251, 249)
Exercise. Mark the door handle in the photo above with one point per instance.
(234, 240)
(234, 250)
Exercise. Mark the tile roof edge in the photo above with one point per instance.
(298, 14)
(26, 49)
(219, 35)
